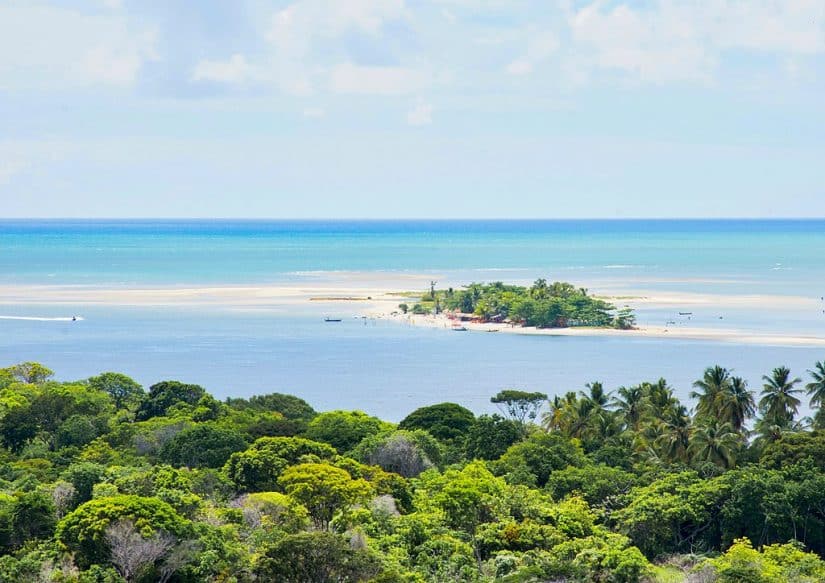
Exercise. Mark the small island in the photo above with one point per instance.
(542, 305)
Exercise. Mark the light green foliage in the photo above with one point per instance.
(83, 530)
(257, 468)
(531, 461)
(124, 391)
(324, 490)
(520, 406)
(786, 563)
(32, 373)
(274, 509)
(343, 430)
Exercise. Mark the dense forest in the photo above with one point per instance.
(105, 481)
(543, 305)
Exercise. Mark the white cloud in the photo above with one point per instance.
(44, 46)
(234, 70)
(314, 112)
(357, 79)
(8, 168)
(670, 40)
(420, 115)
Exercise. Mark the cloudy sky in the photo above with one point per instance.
(412, 108)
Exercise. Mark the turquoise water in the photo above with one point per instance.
(388, 369)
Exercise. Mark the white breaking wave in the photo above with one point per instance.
(42, 319)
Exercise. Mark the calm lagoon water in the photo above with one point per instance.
(389, 369)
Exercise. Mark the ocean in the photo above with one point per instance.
(382, 367)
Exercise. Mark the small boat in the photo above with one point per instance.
(493, 330)
(459, 329)
(685, 313)
(332, 319)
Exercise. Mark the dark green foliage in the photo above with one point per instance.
(83, 476)
(289, 406)
(597, 484)
(445, 421)
(795, 447)
(257, 469)
(164, 395)
(32, 517)
(490, 436)
(316, 557)
(520, 406)
(202, 446)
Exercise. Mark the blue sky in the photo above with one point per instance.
(412, 108)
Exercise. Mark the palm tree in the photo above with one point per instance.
(715, 442)
(711, 386)
(630, 405)
(737, 404)
(673, 440)
(778, 403)
(816, 388)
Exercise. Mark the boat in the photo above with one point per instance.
(685, 313)
(459, 329)
(332, 319)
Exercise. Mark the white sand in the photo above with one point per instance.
(378, 295)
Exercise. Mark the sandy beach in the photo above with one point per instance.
(377, 295)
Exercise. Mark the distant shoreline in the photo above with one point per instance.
(377, 295)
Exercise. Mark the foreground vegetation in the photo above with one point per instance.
(543, 305)
(102, 481)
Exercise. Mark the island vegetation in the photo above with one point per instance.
(542, 305)
(103, 481)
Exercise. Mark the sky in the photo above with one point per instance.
(412, 108)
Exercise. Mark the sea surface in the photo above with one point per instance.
(386, 368)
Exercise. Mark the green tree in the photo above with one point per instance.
(737, 404)
(816, 388)
(711, 388)
(316, 557)
(126, 393)
(324, 490)
(779, 404)
(202, 446)
(83, 531)
(715, 442)
(447, 422)
(32, 373)
(520, 406)
(490, 436)
(344, 429)
(164, 395)
(407, 453)
(33, 517)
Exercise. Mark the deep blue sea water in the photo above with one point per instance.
(389, 369)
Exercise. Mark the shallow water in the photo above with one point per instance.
(389, 369)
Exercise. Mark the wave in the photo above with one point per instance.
(42, 319)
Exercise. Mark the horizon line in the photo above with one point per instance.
(400, 219)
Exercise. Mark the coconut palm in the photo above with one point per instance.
(712, 385)
(816, 388)
(715, 442)
(736, 403)
(779, 404)
(673, 440)
(630, 405)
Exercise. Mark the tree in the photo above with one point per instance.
(202, 446)
(816, 388)
(712, 385)
(316, 557)
(532, 460)
(344, 429)
(779, 405)
(407, 453)
(257, 468)
(737, 404)
(33, 517)
(131, 552)
(125, 392)
(324, 490)
(164, 394)
(33, 373)
(490, 436)
(291, 407)
(445, 421)
(84, 530)
(715, 442)
(519, 405)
